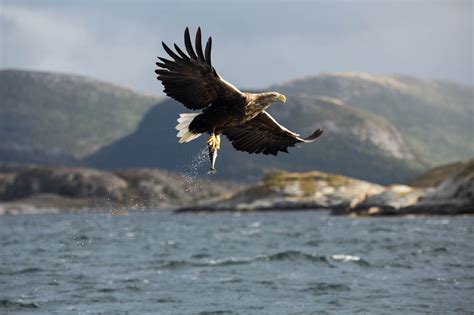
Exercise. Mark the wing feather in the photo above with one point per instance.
(189, 46)
(191, 79)
(171, 53)
(181, 53)
(264, 134)
(198, 44)
(208, 51)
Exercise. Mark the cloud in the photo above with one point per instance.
(57, 41)
(255, 45)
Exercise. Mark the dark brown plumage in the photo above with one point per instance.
(264, 134)
(192, 80)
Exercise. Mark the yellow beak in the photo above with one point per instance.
(282, 98)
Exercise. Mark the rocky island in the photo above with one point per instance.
(452, 195)
(46, 189)
(280, 190)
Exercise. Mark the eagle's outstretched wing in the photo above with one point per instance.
(264, 134)
(192, 80)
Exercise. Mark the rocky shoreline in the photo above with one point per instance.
(281, 190)
(454, 195)
(43, 189)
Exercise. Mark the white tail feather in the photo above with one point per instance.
(184, 121)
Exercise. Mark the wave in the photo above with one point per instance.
(345, 258)
(288, 255)
(218, 312)
(323, 287)
(175, 264)
(11, 305)
(350, 258)
(21, 271)
(294, 255)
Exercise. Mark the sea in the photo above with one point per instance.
(300, 262)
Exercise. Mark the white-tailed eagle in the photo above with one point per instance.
(192, 80)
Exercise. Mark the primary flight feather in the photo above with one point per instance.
(192, 80)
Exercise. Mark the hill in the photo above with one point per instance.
(356, 143)
(60, 118)
(383, 129)
(434, 117)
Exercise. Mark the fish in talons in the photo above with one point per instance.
(213, 144)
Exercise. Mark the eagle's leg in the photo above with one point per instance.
(214, 144)
(218, 142)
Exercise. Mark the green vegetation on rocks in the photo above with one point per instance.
(281, 190)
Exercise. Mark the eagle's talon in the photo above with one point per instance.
(212, 171)
(214, 142)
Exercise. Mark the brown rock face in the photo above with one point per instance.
(347, 196)
(281, 190)
(69, 182)
(388, 202)
(453, 195)
(40, 189)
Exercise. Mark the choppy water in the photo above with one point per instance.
(259, 263)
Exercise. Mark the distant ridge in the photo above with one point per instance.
(383, 129)
(436, 118)
(59, 118)
(355, 143)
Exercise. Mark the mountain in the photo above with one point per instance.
(435, 118)
(356, 143)
(60, 118)
(384, 129)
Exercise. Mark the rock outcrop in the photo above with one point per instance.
(454, 194)
(34, 189)
(281, 190)
(435, 176)
(388, 202)
(38, 189)
(347, 196)
(68, 182)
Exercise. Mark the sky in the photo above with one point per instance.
(255, 43)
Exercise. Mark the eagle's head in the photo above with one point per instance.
(277, 97)
(271, 97)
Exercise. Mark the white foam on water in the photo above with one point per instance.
(345, 258)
